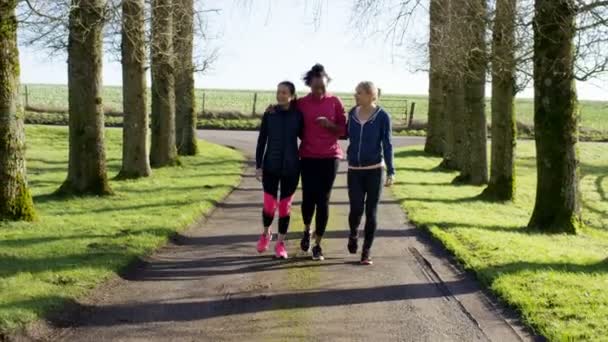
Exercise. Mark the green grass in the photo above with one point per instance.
(78, 243)
(559, 283)
(594, 114)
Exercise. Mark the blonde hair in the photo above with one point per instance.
(370, 88)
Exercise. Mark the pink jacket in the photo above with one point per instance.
(317, 141)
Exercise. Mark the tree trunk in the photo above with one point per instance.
(451, 65)
(15, 198)
(502, 176)
(436, 116)
(453, 124)
(557, 207)
(185, 114)
(87, 159)
(135, 161)
(474, 167)
(163, 151)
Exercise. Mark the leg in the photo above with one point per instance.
(356, 197)
(326, 177)
(373, 185)
(289, 184)
(270, 183)
(308, 185)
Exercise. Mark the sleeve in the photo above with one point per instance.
(262, 138)
(340, 119)
(387, 145)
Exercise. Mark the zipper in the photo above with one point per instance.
(360, 141)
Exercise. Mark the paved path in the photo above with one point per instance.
(211, 285)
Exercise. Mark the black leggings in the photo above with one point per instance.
(318, 176)
(271, 183)
(364, 191)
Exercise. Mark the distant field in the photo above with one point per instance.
(594, 114)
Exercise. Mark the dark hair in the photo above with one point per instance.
(318, 70)
(292, 91)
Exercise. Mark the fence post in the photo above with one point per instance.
(27, 100)
(405, 113)
(255, 101)
(412, 115)
(379, 92)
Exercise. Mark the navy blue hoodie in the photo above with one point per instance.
(370, 142)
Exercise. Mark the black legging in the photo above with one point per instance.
(318, 176)
(364, 191)
(288, 185)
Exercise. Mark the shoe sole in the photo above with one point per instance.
(366, 263)
(318, 258)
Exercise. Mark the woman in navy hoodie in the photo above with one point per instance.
(370, 153)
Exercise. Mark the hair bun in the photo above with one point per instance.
(318, 68)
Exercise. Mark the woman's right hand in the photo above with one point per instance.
(258, 174)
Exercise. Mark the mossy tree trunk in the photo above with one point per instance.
(135, 162)
(87, 159)
(557, 207)
(185, 114)
(474, 165)
(502, 174)
(435, 135)
(163, 151)
(15, 198)
(453, 87)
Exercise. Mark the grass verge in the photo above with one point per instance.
(78, 243)
(557, 282)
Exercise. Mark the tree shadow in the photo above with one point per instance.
(523, 266)
(139, 313)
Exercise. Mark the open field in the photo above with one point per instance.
(594, 114)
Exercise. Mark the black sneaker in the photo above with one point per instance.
(366, 259)
(305, 242)
(353, 244)
(317, 253)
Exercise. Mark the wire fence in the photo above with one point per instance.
(211, 102)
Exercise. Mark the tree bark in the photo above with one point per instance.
(502, 176)
(87, 159)
(557, 207)
(163, 150)
(15, 198)
(435, 134)
(135, 163)
(474, 166)
(451, 64)
(185, 114)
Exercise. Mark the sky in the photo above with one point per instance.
(262, 42)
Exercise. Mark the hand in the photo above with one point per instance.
(258, 174)
(389, 181)
(324, 122)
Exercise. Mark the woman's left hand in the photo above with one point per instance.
(324, 122)
(389, 181)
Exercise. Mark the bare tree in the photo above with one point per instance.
(435, 134)
(183, 42)
(135, 162)
(15, 198)
(502, 177)
(163, 151)
(474, 163)
(557, 207)
(87, 159)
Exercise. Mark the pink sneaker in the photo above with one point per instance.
(264, 242)
(280, 251)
